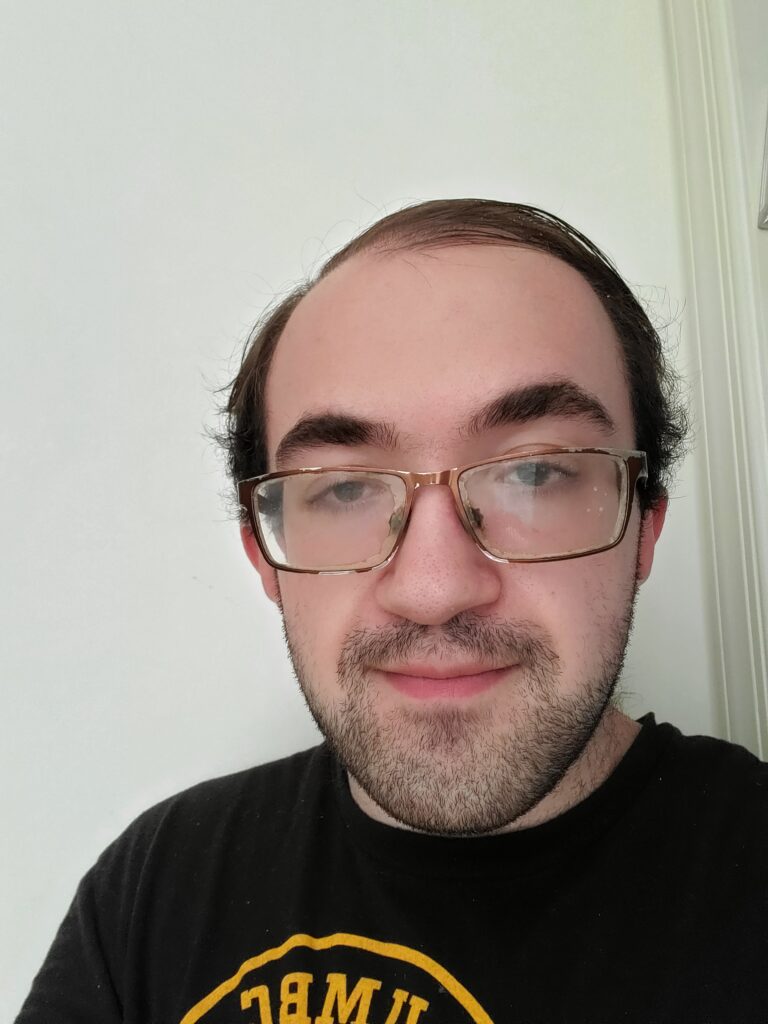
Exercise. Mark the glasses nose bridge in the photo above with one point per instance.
(441, 477)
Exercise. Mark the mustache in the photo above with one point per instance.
(490, 640)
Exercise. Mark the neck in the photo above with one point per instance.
(614, 735)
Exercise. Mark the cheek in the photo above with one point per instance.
(319, 613)
(579, 602)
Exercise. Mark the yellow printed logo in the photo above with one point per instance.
(339, 979)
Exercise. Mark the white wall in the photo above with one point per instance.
(166, 168)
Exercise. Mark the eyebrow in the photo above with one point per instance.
(535, 401)
(322, 429)
(512, 407)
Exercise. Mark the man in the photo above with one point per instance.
(451, 453)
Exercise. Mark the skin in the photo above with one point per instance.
(422, 340)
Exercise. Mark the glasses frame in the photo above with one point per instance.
(635, 463)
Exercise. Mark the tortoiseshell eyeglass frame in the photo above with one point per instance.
(635, 469)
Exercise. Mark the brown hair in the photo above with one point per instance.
(659, 415)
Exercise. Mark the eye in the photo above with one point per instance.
(346, 491)
(534, 474)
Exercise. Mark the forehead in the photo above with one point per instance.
(422, 339)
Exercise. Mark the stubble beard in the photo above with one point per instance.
(464, 770)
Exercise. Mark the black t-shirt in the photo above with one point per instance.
(269, 897)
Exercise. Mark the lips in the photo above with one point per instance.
(430, 670)
(430, 682)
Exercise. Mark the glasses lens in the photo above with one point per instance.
(547, 505)
(330, 520)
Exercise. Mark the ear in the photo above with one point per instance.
(650, 529)
(261, 565)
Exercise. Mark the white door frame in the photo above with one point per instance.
(725, 319)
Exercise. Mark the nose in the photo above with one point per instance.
(438, 571)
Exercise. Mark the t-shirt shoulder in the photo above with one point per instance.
(240, 801)
(707, 758)
(716, 781)
(168, 861)
(274, 781)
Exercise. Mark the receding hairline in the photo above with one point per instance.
(427, 247)
(389, 248)
(656, 391)
(377, 252)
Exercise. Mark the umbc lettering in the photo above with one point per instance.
(340, 1006)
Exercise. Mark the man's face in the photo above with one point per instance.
(420, 342)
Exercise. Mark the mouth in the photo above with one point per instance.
(431, 682)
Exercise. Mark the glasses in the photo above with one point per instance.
(538, 505)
